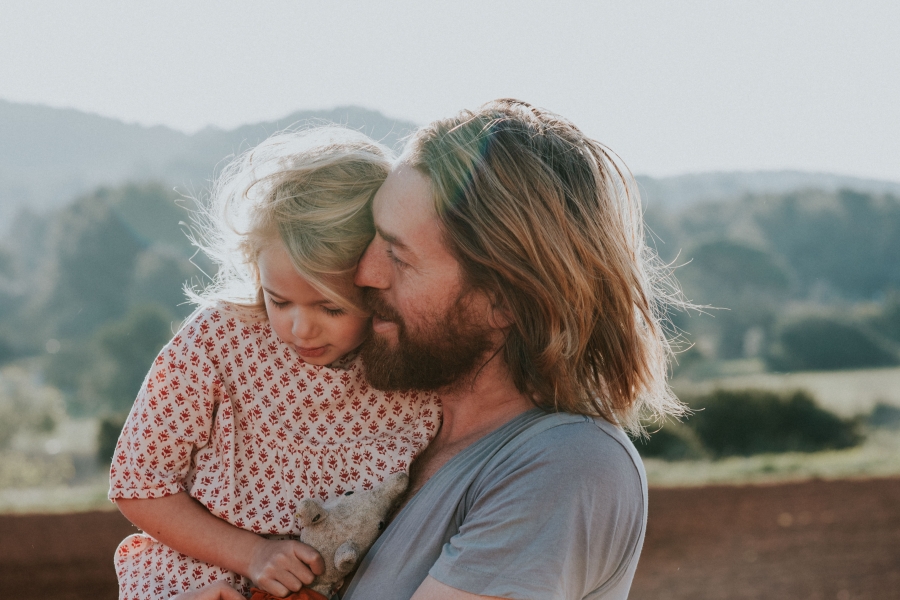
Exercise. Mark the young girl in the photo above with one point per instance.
(259, 400)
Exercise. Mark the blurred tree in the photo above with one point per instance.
(25, 405)
(70, 368)
(847, 240)
(6, 264)
(155, 215)
(884, 415)
(108, 437)
(94, 255)
(7, 350)
(26, 241)
(102, 255)
(159, 277)
(753, 421)
(734, 268)
(822, 343)
(661, 231)
(746, 282)
(672, 441)
(887, 322)
(102, 375)
(128, 348)
(10, 291)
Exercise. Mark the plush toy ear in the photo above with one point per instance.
(346, 556)
(310, 512)
(393, 485)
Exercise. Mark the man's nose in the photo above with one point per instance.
(374, 268)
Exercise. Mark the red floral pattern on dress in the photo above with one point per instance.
(232, 415)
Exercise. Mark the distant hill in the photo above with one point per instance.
(682, 191)
(49, 155)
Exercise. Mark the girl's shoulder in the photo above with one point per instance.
(217, 317)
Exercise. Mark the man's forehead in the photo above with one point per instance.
(403, 207)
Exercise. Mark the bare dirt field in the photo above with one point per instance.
(822, 540)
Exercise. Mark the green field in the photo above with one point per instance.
(878, 456)
(847, 393)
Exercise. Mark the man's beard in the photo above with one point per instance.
(444, 352)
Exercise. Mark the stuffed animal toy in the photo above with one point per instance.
(342, 529)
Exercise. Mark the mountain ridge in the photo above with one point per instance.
(680, 191)
(48, 156)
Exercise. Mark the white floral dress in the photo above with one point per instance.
(232, 415)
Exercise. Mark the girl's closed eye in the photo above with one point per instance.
(277, 303)
(334, 312)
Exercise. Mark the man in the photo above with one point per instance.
(507, 273)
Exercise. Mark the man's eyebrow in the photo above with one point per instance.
(391, 239)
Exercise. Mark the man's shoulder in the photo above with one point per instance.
(566, 446)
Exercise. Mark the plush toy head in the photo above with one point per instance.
(345, 527)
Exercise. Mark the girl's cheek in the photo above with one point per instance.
(359, 329)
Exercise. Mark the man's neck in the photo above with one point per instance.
(479, 405)
(471, 411)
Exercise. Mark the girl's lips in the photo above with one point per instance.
(311, 352)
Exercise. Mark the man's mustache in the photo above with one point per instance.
(378, 306)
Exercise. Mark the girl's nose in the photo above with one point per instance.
(304, 328)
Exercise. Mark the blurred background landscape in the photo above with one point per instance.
(793, 368)
(765, 138)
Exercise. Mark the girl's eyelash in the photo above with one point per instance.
(334, 312)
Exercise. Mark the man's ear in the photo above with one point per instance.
(500, 317)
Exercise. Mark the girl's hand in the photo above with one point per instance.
(216, 591)
(284, 566)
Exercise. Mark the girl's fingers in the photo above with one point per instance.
(229, 593)
(292, 581)
(273, 587)
(299, 571)
(310, 557)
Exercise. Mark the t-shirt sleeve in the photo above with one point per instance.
(171, 416)
(564, 518)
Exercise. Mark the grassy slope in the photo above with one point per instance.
(878, 456)
(846, 393)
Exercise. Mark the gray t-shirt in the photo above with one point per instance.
(547, 506)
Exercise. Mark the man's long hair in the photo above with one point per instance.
(548, 223)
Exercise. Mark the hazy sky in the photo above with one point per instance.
(672, 86)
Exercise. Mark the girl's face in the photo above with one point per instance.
(318, 329)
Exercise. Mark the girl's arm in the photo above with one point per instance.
(180, 522)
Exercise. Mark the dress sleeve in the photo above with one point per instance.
(171, 417)
(559, 520)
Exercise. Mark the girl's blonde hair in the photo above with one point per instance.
(548, 223)
(310, 190)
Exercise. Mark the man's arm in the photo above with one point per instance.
(432, 589)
